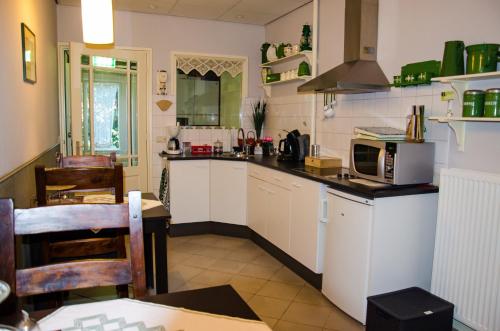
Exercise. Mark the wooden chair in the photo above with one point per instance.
(86, 160)
(73, 274)
(66, 246)
(78, 179)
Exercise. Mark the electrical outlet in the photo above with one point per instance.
(447, 95)
(161, 139)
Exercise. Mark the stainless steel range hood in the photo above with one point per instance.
(360, 73)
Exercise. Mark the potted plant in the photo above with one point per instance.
(259, 116)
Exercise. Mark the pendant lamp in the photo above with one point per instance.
(97, 21)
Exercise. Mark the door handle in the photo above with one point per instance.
(324, 211)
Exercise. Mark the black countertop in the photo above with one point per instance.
(324, 176)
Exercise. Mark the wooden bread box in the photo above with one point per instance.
(323, 162)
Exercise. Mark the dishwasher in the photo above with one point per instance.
(347, 250)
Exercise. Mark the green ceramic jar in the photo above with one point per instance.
(473, 103)
(492, 103)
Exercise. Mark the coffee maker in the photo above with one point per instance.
(173, 145)
(288, 148)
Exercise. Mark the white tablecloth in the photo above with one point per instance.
(133, 315)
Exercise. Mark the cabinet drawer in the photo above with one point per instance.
(271, 176)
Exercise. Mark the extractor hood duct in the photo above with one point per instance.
(360, 72)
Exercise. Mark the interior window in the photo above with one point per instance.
(208, 100)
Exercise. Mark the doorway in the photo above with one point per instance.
(105, 107)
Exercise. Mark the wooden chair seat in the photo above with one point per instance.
(73, 274)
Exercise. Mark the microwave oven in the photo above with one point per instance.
(392, 162)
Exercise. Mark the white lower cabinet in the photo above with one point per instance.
(308, 211)
(228, 192)
(289, 212)
(189, 191)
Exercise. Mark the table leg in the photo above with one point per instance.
(148, 259)
(161, 259)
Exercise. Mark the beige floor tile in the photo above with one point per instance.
(205, 239)
(302, 313)
(266, 260)
(175, 257)
(247, 296)
(340, 321)
(288, 326)
(246, 254)
(257, 271)
(230, 242)
(247, 284)
(189, 285)
(180, 274)
(280, 290)
(285, 275)
(229, 266)
(212, 278)
(214, 252)
(271, 322)
(312, 296)
(189, 247)
(268, 307)
(199, 261)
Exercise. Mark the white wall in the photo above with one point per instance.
(409, 31)
(28, 112)
(164, 34)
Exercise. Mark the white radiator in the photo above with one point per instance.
(466, 268)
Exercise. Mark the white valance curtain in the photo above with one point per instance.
(204, 64)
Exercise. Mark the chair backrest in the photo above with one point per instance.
(74, 274)
(77, 161)
(79, 179)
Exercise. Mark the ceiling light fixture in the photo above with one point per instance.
(97, 21)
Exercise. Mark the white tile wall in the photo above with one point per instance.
(197, 136)
(374, 109)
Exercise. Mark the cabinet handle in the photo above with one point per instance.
(237, 168)
(342, 214)
(271, 192)
(262, 188)
(324, 211)
(296, 185)
(200, 167)
(277, 179)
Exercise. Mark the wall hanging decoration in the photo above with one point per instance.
(161, 82)
(29, 54)
(204, 64)
(164, 105)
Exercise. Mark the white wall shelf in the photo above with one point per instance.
(306, 54)
(458, 125)
(267, 87)
(460, 84)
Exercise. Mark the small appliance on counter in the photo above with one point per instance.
(218, 147)
(392, 162)
(295, 147)
(173, 145)
(201, 150)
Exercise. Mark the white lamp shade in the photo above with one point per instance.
(97, 21)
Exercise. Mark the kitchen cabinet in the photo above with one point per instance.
(256, 206)
(308, 208)
(288, 211)
(277, 215)
(190, 191)
(377, 246)
(228, 192)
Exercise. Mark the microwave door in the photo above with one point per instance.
(381, 165)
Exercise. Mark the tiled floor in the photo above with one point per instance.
(280, 297)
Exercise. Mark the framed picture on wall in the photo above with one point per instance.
(29, 54)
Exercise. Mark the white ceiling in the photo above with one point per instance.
(258, 12)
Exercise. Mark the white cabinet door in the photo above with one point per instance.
(306, 226)
(190, 191)
(257, 206)
(345, 275)
(228, 192)
(277, 206)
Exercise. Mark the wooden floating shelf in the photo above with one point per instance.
(269, 64)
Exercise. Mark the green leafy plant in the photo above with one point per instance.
(259, 116)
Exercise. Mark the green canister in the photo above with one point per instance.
(492, 103)
(473, 103)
